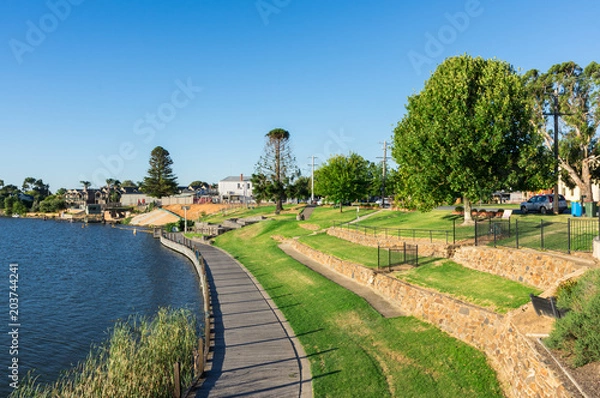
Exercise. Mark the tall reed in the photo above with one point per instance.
(137, 361)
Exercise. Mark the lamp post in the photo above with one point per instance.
(185, 209)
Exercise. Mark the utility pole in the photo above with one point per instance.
(312, 179)
(555, 112)
(385, 157)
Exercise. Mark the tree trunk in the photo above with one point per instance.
(468, 220)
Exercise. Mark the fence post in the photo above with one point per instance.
(454, 231)
(176, 380)
(494, 231)
(404, 256)
(476, 232)
(378, 256)
(416, 255)
(569, 235)
(389, 260)
(517, 233)
(542, 234)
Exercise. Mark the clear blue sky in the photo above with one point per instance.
(90, 87)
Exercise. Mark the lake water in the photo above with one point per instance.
(74, 283)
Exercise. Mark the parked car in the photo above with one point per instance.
(543, 204)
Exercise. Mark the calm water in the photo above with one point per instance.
(75, 282)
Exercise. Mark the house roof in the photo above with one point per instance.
(237, 178)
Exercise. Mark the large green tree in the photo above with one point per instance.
(467, 134)
(344, 179)
(572, 92)
(160, 181)
(277, 166)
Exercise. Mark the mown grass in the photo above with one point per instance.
(137, 361)
(342, 249)
(487, 290)
(480, 288)
(353, 350)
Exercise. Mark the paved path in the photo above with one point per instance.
(380, 303)
(255, 353)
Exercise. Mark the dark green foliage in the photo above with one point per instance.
(275, 168)
(574, 92)
(579, 331)
(467, 134)
(52, 203)
(161, 180)
(344, 179)
(300, 189)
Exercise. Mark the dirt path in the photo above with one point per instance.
(378, 302)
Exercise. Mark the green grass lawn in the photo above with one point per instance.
(353, 350)
(342, 249)
(480, 288)
(487, 290)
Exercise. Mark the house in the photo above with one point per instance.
(235, 189)
(574, 194)
(78, 198)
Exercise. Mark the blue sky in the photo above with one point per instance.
(90, 87)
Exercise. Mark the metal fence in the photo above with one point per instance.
(574, 235)
(388, 257)
(448, 236)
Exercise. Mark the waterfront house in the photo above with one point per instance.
(235, 189)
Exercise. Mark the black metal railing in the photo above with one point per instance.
(388, 257)
(447, 236)
(573, 235)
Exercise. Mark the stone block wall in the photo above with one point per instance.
(526, 266)
(426, 248)
(522, 265)
(520, 367)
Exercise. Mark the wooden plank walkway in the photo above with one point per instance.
(254, 351)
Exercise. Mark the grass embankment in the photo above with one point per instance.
(480, 288)
(137, 361)
(354, 351)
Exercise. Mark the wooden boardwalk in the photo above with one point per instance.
(254, 352)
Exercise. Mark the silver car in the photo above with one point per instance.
(543, 204)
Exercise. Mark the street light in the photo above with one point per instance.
(185, 209)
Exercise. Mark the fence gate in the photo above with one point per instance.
(389, 257)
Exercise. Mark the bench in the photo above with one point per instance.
(546, 306)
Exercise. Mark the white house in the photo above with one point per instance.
(574, 194)
(236, 189)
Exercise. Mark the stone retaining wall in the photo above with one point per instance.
(526, 266)
(533, 268)
(520, 367)
(426, 247)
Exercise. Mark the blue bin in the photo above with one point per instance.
(576, 209)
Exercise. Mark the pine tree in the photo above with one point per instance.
(160, 180)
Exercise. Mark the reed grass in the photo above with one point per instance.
(137, 361)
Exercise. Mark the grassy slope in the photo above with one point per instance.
(481, 288)
(354, 352)
(477, 287)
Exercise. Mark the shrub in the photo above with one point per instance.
(137, 361)
(579, 331)
(459, 209)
